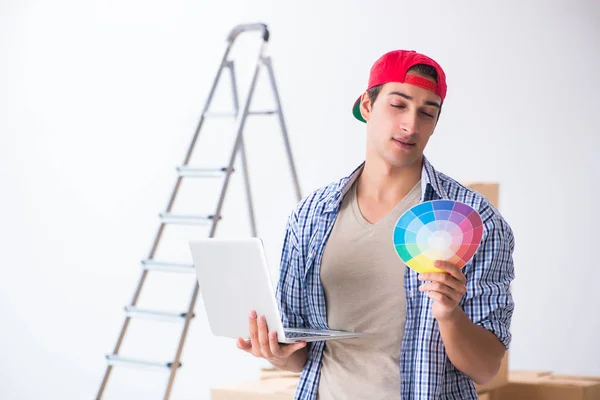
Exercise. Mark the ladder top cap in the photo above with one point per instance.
(249, 27)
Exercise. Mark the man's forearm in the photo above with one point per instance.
(296, 361)
(472, 349)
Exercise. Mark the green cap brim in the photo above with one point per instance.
(356, 111)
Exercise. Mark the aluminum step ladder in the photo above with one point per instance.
(168, 217)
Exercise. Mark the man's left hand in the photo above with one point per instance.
(446, 289)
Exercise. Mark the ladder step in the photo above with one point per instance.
(135, 312)
(181, 219)
(201, 172)
(167, 266)
(116, 360)
(233, 115)
(265, 112)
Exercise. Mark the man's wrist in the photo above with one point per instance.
(294, 363)
(278, 362)
(284, 366)
(455, 318)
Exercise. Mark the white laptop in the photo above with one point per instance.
(234, 279)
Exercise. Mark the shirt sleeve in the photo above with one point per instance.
(291, 294)
(488, 301)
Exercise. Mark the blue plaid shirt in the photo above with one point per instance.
(425, 370)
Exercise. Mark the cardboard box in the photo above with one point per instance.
(274, 373)
(531, 385)
(270, 389)
(520, 376)
(499, 380)
(491, 191)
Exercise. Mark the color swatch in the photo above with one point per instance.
(437, 230)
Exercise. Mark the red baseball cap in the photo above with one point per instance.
(392, 67)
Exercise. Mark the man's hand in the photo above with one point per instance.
(264, 344)
(446, 289)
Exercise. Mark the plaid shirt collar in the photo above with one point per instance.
(430, 185)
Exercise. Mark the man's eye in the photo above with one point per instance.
(427, 114)
(397, 105)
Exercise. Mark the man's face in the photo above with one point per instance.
(400, 122)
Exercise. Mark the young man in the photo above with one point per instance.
(432, 335)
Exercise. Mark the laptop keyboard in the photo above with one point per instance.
(304, 334)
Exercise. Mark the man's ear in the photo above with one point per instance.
(365, 106)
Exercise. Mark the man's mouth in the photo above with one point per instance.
(404, 142)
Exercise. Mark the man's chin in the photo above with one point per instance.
(403, 161)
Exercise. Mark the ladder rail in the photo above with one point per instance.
(286, 139)
(158, 235)
(238, 147)
(241, 120)
(224, 63)
(245, 172)
(186, 326)
(124, 327)
(169, 207)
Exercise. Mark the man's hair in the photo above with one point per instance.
(420, 69)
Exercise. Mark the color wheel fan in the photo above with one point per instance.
(437, 230)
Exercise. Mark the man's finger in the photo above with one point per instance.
(242, 344)
(253, 326)
(447, 291)
(263, 337)
(274, 344)
(290, 349)
(451, 269)
(445, 280)
(440, 298)
(283, 350)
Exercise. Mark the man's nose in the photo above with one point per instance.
(409, 123)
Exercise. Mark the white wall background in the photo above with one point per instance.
(98, 100)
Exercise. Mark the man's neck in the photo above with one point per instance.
(383, 183)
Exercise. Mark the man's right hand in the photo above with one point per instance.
(264, 344)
